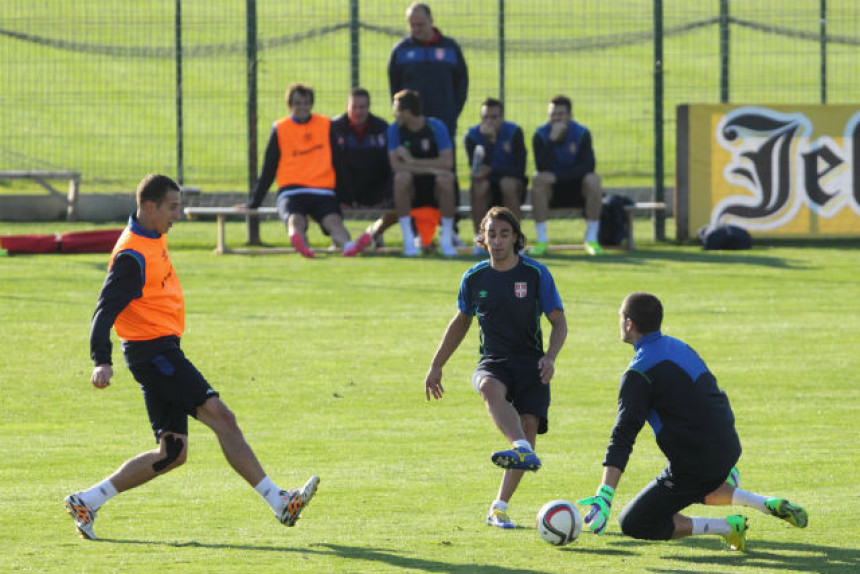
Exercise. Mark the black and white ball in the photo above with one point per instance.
(559, 522)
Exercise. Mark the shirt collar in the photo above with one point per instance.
(138, 229)
(645, 339)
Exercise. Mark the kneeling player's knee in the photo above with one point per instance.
(636, 525)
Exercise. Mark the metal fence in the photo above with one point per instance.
(115, 89)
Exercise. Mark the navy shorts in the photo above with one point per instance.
(649, 515)
(521, 378)
(172, 389)
(425, 191)
(567, 193)
(496, 189)
(307, 204)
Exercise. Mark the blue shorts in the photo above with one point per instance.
(307, 204)
(172, 389)
(649, 516)
(567, 193)
(521, 377)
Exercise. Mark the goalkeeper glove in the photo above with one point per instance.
(600, 504)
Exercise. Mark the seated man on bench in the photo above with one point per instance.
(422, 160)
(565, 175)
(299, 156)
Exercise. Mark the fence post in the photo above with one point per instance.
(823, 34)
(659, 191)
(354, 45)
(724, 51)
(180, 161)
(253, 221)
(502, 50)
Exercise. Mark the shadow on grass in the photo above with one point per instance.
(380, 555)
(760, 555)
(644, 256)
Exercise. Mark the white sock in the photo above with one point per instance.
(710, 526)
(522, 443)
(96, 496)
(406, 229)
(750, 499)
(592, 229)
(270, 493)
(540, 231)
(500, 504)
(447, 235)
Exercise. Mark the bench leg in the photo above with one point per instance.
(219, 247)
(631, 243)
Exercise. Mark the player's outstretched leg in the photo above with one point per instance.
(295, 501)
(82, 515)
(737, 538)
(517, 458)
(792, 513)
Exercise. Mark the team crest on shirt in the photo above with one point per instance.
(572, 148)
(521, 289)
(425, 144)
(507, 147)
(440, 53)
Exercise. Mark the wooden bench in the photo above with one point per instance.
(43, 176)
(221, 214)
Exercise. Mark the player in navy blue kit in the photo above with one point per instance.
(669, 386)
(508, 294)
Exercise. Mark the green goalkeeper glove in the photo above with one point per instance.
(600, 504)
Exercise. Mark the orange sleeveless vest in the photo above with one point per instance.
(161, 310)
(305, 153)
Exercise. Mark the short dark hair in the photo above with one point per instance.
(505, 214)
(561, 100)
(645, 310)
(154, 187)
(359, 91)
(300, 89)
(410, 101)
(419, 6)
(493, 103)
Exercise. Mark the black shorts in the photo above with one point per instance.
(496, 190)
(307, 204)
(425, 191)
(521, 377)
(377, 196)
(172, 389)
(649, 515)
(567, 193)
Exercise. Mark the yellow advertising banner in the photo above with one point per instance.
(772, 170)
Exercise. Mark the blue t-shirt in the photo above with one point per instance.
(509, 305)
(425, 143)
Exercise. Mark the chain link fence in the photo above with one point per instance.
(116, 89)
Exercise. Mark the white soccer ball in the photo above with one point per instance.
(559, 522)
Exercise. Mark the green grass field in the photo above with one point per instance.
(323, 362)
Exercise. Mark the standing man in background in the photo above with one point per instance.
(431, 64)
